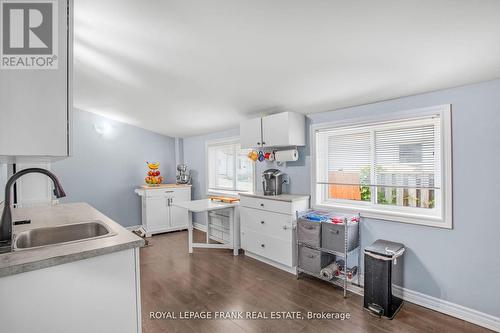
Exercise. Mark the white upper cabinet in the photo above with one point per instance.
(35, 98)
(277, 130)
(251, 133)
(284, 129)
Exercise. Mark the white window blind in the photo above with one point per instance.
(349, 157)
(228, 167)
(405, 157)
(393, 166)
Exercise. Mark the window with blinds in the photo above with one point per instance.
(393, 167)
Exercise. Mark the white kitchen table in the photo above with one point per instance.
(205, 206)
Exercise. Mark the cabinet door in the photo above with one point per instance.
(35, 104)
(250, 133)
(157, 218)
(284, 129)
(275, 130)
(179, 216)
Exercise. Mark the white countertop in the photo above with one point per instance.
(281, 197)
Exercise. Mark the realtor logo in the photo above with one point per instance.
(28, 34)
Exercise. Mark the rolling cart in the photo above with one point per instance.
(328, 248)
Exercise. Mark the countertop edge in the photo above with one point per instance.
(20, 261)
(67, 258)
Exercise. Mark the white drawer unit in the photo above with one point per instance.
(266, 223)
(158, 211)
(267, 227)
(269, 247)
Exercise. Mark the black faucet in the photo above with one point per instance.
(6, 221)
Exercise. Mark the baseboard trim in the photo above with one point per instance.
(449, 308)
(446, 307)
(411, 296)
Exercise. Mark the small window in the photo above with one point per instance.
(399, 169)
(228, 167)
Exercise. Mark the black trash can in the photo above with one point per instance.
(383, 270)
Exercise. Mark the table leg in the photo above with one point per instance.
(207, 218)
(232, 231)
(190, 232)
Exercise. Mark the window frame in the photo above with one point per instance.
(393, 213)
(220, 191)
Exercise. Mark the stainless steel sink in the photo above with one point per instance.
(62, 234)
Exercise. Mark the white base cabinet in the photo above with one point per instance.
(267, 229)
(99, 294)
(158, 213)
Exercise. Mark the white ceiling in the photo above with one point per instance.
(183, 67)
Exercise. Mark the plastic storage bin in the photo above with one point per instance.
(383, 270)
(333, 236)
(312, 260)
(309, 232)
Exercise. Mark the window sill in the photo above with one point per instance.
(424, 220)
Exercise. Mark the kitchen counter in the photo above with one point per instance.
(281, 197)
(37, 258)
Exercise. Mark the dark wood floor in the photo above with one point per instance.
(215, 280)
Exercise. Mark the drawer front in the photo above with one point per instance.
(268, 247)
(159, 193)
(333, 236)
(266, 223)
(183, 194)
(276, 206)
(309, 232)
(313, 260)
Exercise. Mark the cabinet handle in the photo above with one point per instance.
(285, 227)
(262, 205)
(334, 232)
(262, 245)
(262, 222)
(263, 143)
(258, 143)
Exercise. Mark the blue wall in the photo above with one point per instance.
(194, 157)
(105, 170)
(459, 265)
